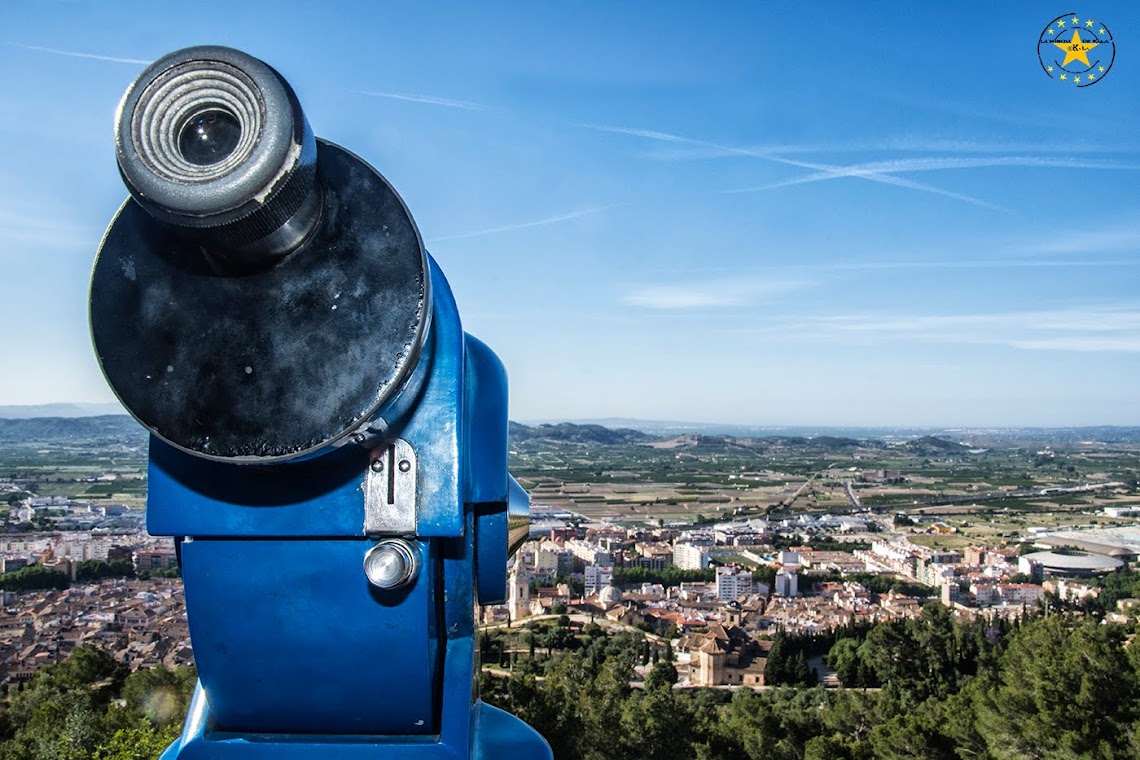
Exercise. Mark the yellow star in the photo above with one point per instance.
(1101, 69)
(1076, 79)
(1076, 50)
(1064, 77)
(1076, 20)
(1101, 30)
(1092, 75)
(1048, 68)
(1060, 23)
(1052, 31)
(1089, 22)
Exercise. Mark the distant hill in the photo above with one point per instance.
(930, 444)
(674, 428)
(75, 422)
(60, 410)
(826, 442)
(116, 427)
(599, 435)
(568, 432)
(977, 435)
(712, 443)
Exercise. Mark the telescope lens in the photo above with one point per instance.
(209, 137)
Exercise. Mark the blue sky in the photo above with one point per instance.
(825, 213)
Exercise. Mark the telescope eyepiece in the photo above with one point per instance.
(214, 142)
(209, 137)
(265, 295)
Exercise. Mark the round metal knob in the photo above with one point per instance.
(392, 564)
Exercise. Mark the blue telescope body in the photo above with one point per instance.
(328, 447)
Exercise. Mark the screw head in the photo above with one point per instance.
(392, 563)
(377, 465)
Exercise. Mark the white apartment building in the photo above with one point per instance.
(690, 557)
(545, 561)
(988, 594)
(1020, 593)
(590, 554)
(733, 584)
(597, 578)
(787, 583)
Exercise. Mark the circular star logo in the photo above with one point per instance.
(1076, 50)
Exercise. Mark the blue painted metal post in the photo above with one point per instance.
(329, 449)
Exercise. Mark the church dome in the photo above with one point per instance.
(609, 595)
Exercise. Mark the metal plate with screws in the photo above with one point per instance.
(390, 490)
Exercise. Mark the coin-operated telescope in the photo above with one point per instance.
(328, 448)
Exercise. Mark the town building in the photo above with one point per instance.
(787, 583)
(597, 577)
(690, 557)
(586, 553)
(149, 560)
(732, 583)
(140, 623)
(518, 589)
(725, 655)
(1067, 563)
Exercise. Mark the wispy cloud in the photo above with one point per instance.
(431, 100)
(1084, 344)
(973, 264)
(830, 171)
(78, 54)
(827, 169)
(927, 144)
(1093, 329)
(955, 264)
(22, 231)
(939, 163)
(1120, 239)
(651, 134)
(701, 152)
(525, 225)
(901, 144)
(715, 294)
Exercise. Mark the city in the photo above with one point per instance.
(569, 381)
(773, 558)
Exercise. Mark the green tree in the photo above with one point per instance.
(657, 725)
(558, 637)
(912, 735)
(826, 748)
(786, 664)
(846, 659)
(34, 578)
(95, 569)
(159, 694)
(915, 659)
(1063, 689)
(661, 676)
(59, 714)
(141, 741)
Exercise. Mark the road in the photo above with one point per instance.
(804, 485)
